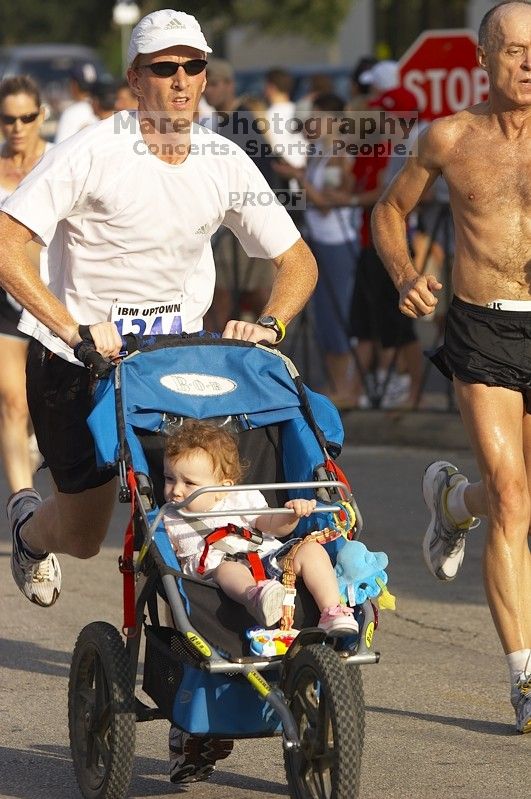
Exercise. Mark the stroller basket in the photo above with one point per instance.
(197, 701)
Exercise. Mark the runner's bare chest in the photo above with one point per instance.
(491, 176)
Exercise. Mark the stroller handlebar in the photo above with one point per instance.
(178, 506)
(87, 353)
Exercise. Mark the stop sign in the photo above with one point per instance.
(441, 70)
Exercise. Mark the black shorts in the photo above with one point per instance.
(60, 400)
(483, 345)
(375, 315)
(9, 319)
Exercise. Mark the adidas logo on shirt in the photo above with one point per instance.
(201, 230)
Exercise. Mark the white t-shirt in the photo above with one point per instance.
(338, 225)
(74, 118)
(189, 544)
(122, 226)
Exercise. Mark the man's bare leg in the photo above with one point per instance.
(498, 429)
(73, 524)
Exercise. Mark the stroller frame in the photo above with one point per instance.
(103, 707)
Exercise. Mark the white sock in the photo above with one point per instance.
(519, 663)
(455, 502)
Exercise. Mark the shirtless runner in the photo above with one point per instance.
(484, 153)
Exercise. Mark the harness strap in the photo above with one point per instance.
(257, 569)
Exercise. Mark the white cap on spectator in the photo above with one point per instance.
(382, 77)
(166, 28)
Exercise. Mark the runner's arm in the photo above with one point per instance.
(22, 281)
(389, 224)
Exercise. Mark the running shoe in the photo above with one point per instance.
(444, 541)
(338, 621)
(264, 601)
(521, 699)
(39, 579)
(192, 757)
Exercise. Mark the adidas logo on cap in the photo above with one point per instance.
(174, 23)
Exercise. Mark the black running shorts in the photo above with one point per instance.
(483, 345)
(59, 400)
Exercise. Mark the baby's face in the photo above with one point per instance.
(188, 472)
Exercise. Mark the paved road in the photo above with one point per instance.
(438, 720)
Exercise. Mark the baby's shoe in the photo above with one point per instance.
(338, 621)
(264, 601)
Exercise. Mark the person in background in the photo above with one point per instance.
(21, 117)
(332, 236)
(125, 100)
(387, 341)
(359, 91)
(104, 99)
(241, 281)
(382, 77)
(319, 84)
(288, 143)
(80, 113)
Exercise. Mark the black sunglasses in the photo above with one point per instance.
(165, 69)
(26, 119)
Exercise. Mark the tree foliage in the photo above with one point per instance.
(76, 21)
(90, 21)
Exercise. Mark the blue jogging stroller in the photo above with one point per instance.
(199, 672)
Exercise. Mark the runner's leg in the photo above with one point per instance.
(493, 419)
(74, 524)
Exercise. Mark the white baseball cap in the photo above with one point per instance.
(165, 28)
(382, 77)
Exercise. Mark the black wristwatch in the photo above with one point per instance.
(272, 323)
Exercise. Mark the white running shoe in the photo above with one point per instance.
(444, 541)
(521, 699)
(38, 579)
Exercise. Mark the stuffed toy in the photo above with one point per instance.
(361, 575)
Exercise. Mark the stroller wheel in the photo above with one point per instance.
(319, 692)
(356, 686)
(101, 714)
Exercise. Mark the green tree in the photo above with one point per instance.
(90, 21)
(79, 21)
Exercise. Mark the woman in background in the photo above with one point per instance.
(21, 117)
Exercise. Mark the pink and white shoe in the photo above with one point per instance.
(264, 601)
(338, 620)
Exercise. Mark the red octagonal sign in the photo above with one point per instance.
(441, 70)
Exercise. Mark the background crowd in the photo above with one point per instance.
(364, 353)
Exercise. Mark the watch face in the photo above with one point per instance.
(267, 320)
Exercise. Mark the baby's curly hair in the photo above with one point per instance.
(219, 444)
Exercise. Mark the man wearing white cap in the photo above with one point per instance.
(382, 77)
(127, 208)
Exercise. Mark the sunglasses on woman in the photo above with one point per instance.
(165, 69)
(26, 119)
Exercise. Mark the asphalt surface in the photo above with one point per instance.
(439, 723)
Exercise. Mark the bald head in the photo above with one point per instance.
(490, 34)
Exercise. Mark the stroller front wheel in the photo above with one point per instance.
(101, 714)
(319, 692)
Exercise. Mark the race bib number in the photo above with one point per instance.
(148, 318)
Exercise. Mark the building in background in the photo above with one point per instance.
(383, 27)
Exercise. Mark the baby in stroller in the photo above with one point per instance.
(201, 454)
